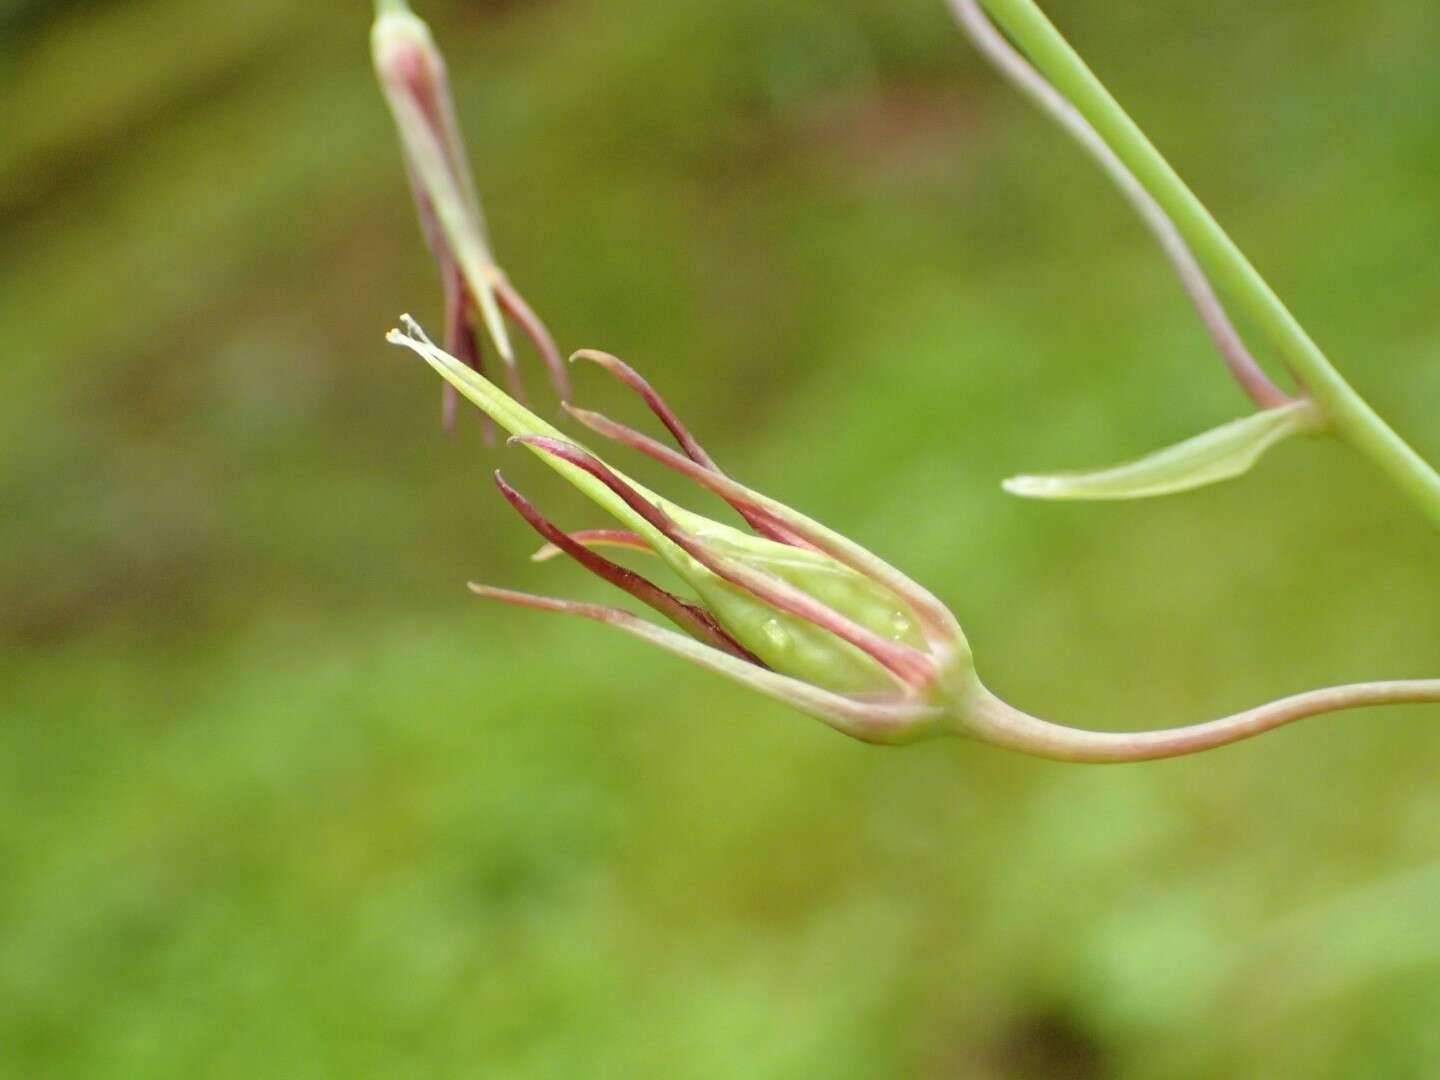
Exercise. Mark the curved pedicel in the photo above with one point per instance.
(832, 595)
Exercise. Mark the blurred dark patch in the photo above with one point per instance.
(136, 544)
(47, 612)
(73, 166)
(482, 12)
(20, 20)
(1048, 1044)
(883, 130)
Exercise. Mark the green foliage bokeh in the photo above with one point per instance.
(277, 798)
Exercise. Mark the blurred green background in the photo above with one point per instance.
(278, 799)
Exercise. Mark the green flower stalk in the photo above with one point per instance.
(797, 612)
(1043, 65)
(413, 76)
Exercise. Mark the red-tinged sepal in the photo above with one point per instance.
(694, 620)
(881, 721)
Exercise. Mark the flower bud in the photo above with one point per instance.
(413, 77)
(789, 608)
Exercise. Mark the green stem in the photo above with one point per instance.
(1351, 417)
(1001, 724)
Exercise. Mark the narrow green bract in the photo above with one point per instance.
(1222, 453)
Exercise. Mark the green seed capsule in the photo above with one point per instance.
(790, 645)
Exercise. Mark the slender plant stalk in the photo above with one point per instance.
(1002, 724)
(1351, 417)
(1008, 61)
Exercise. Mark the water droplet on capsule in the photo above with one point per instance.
(778, 635)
